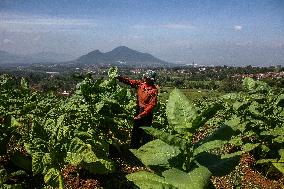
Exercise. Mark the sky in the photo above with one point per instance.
(208, 32)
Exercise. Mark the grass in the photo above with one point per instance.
(191, 94)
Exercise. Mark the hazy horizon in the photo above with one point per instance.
(220, 32)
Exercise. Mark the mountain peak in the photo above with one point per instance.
(121, 47)
(95, 52)
(118, 54)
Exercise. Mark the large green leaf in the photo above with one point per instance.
(206, 114)
(198, 178)
(280, 101)
(12, 186)
(209, 146)
(74, 158)
(180, 111)
(14, 122)
(255, 86)
(267, 161)
(51, 177)
(37, 164)
(90, 161)
(182, 115)
(216, 164)
(168, 138)
(223, 133)
(235, 123)
(278, 139)
(245, 148)
(77, 146)
(280, 164)
(82, 153)
(113, 72)
(238, 153)
(101, 166)
(249, 147)
(146, 180)
(278, 131)
(249, 83)
(156, 152)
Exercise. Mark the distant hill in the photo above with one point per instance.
(121, 55)
(42, 57)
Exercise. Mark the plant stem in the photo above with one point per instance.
(61, 182)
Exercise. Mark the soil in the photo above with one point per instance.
(253, 178)
(126, 163)
(246, 175)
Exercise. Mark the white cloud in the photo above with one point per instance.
(238, 28)
(7, 41)
(178, 26)
(136, 37)
(172, 26)
(29, 23)
(37, 38)
(49, 22)
(141, 26)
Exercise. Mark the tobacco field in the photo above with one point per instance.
(82, 141)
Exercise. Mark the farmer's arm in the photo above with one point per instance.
(131, 82)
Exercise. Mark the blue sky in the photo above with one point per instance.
(231, 32)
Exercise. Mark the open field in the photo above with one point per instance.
(191, 94)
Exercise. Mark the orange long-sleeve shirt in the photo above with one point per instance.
(146, 94)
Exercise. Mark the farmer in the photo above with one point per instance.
(146, 101)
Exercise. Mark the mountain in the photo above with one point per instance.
(42, 57)
(120, 55)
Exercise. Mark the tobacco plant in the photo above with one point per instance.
(177, 162)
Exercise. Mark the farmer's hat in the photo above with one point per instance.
(150, 74)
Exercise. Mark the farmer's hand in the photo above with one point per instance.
(118, 76)
(137, 117)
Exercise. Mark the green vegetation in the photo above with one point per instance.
(43, 134)
(54, 132)
(250, 121)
